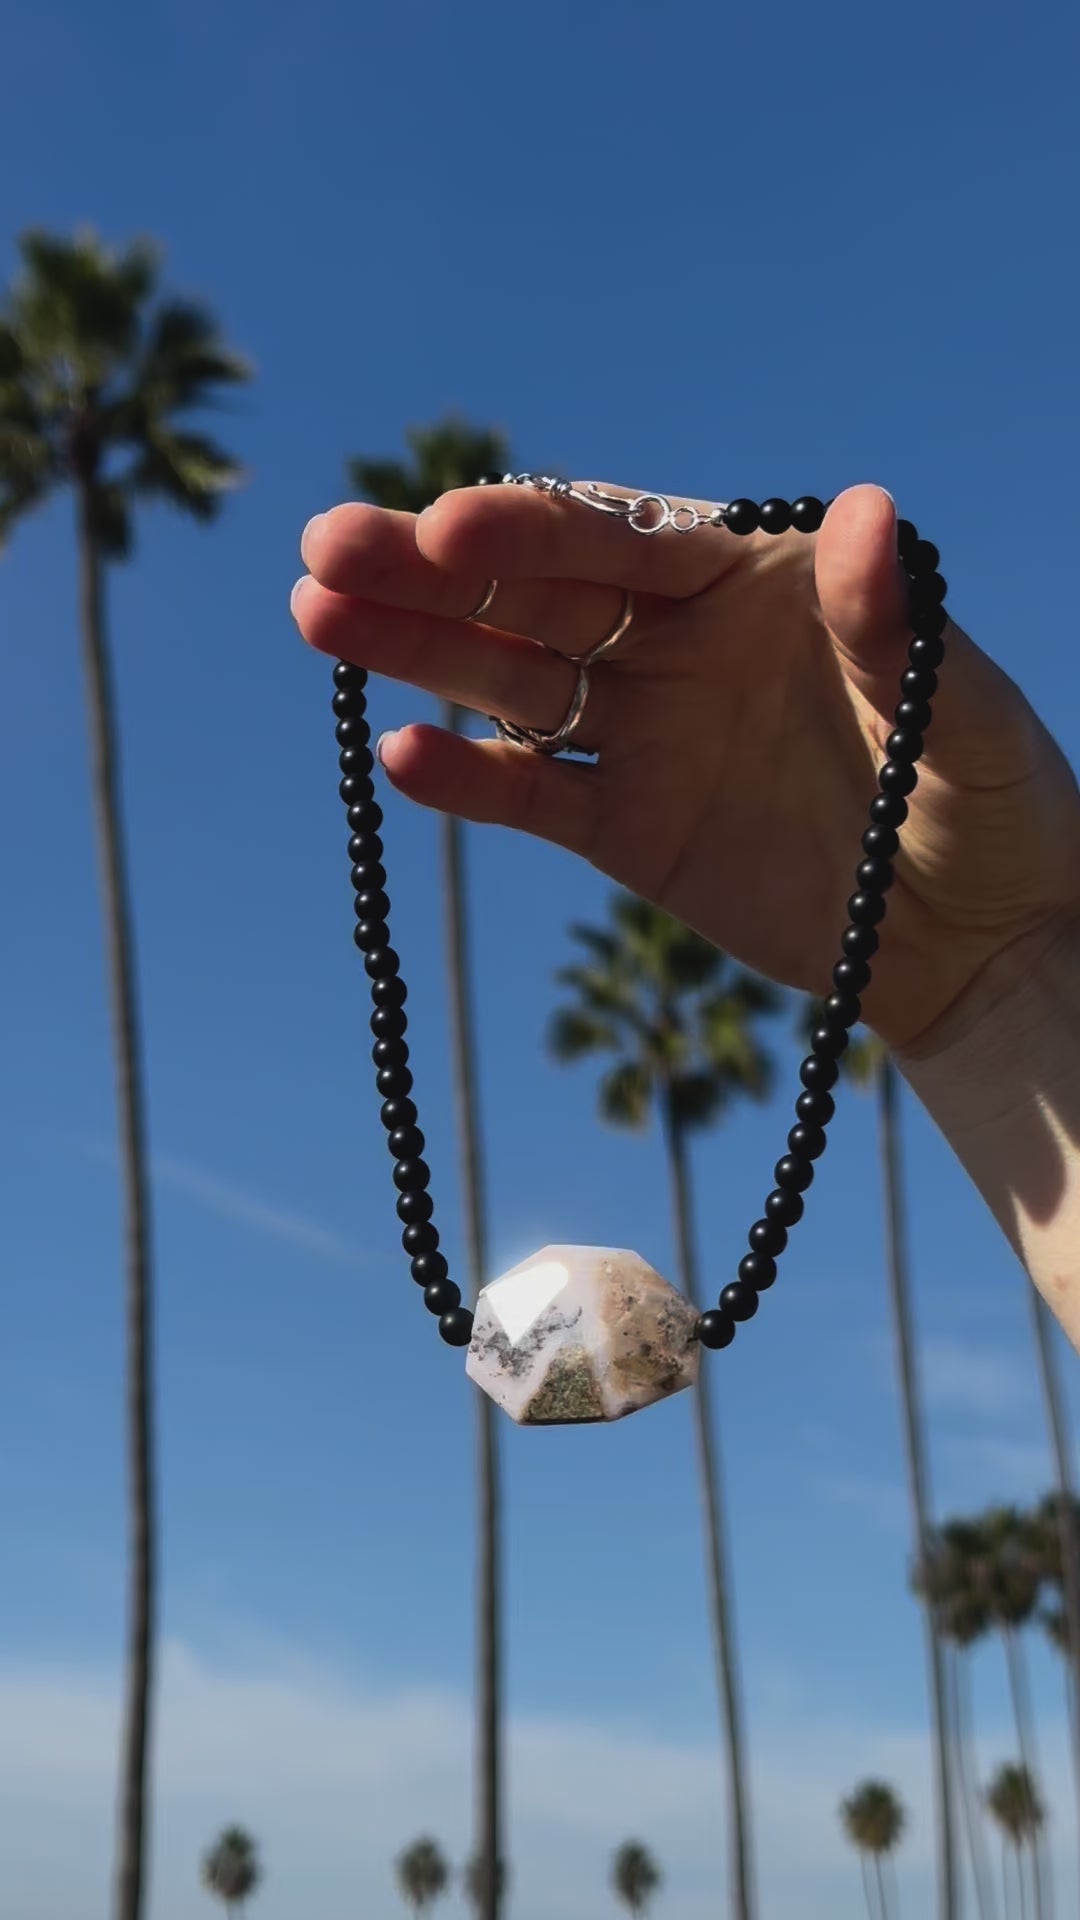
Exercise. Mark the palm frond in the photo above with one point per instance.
(625, 1094)
(574, 1032)
(110, 518)
(80, 300)
(187, 469)
(696, 1098)
(386, 483)
(731, 1046)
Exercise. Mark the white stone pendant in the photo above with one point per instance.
(581, 1333)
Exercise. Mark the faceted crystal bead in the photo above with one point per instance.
(581, 1333)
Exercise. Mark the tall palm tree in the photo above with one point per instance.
(231, 1869)
(946, 1580)
(874, 1819)
(681, 1022)
(1053, 1529)
(98, 378)
(866, 1064)
(1014, 1804)
(1012, 1583)
(635, 1876)
(453, 454)
(422, 1873)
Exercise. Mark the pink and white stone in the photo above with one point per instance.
(581, 1333)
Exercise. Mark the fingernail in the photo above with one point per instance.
(294, 597)
(315, 520)
(380, 744)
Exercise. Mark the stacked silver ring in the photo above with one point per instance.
(540, 739)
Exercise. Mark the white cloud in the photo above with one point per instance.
(334, 1776)
(985, 1381)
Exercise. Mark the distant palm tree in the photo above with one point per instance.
(1062, 1510)
(681, 1022)
(874, 1820)
(1052, 1530)
(454, 454)
(98, 379)
(1014, 1804)
(230, 1868)
(422, 1873)
(866, 1063)
(945, 1579)
(635, 1876)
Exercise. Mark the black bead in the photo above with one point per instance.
(926, 650)
(413, 1208)
(874, 875)
(904, 744)
(785, 1206)
(860, 943)
(351, 731)
(866, 909)
(888, 810)
(906, 538)
(922, 557)
(757, 1270)
(365, 817)
(715, 1330)
(930, 624)
(918, 683)
(490, 480)
(830, 1041)
(356, 793)
(768, 1236)
(365, 846)
(368, 876)
(742, 516)
(897, 777)
(348, 678)
(370, 936)
(397, 1113)
(793, 1173)
(388, 1023)
(394, 1082)
(442, 1296)
(842, 1010)
(405, 1143)
(349, 704)
(390, 1053)
(382, 962)
(808, 1142)
(816, 1107)
(421, 1237)
(371, 903)
(428, 1267)
(880, 841)
(775, 516)
(357, 761)
(851, 976)
(739, 1300)
(928, 591)
(807, 513)
(818, 1073)
(412, 1176)
(456, 1327)
(913, 715)
(390, 992)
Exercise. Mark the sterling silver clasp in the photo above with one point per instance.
(644, 512)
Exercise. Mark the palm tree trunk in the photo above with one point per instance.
(880, 1886)
(1020, 1691)
(120, 948)
(864, 1865)
(488, 1844)
(918, 1476)
(739, 1846)
(1021, 1883)
(976, 1834)
(1068, 1520)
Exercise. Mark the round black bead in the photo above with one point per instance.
(818, 1073)
(428, 1267)
(412, 1176)
(349, 703)
(394, 1082)
(860, 943)
(783, 1205)
(371, 903)
(875, 874)
(365, 846)
(768, 1236)
(850, 976)
(370, 936)
(926, 650)
(829, 1041)
(929, 590)
(929, 623)
(381, 963)
(793, 1173)
(880, 841)
(866, 909)
(415, 1207)
(716, 1330)
(456, 1327)
(368, 876)
(390, 992)
(739, 1300)
(390, 1053)
(742, 516)
(490, 480)
(888, 810)
(922, 557)
(816, 1107)
(421, 1237)
(352, 731)
(918, 683)
(442, 1296)
(897, 777)
(396, 1113)
(757, 1270)
(365, 817)
(775, 516)
(405, 1143)
(841, 1010)
(357, 761)
(808, 1142)
(356, 793)
(907, 537)
(904, 743)
(347, 677)
(807, 513)
(913, 715)
(388, 1023)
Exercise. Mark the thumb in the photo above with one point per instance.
(861, 591)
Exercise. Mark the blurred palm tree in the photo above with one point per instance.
(681, 1021)
(944, 1581)
(635, 1876)
(230, 1868)
(1015, 1806)
(874, 1819)
(422, 1873)
(453, 454)
(99, 377)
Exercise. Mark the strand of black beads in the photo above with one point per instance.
(390, 1051)
(897, 779)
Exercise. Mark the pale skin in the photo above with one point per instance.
(738, 728)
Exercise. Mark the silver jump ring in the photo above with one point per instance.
(611, 639)
(481, 608)
(536, 739)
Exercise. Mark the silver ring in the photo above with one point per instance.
(610, 640)
(478, 611)
(536, 739)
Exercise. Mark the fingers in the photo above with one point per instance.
(494, 783)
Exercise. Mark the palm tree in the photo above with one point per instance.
(680, 1020)
(635, 1876)
(1052, 1531)
(1012, 1582)
(1014, 1804)
(453, 455)
(1064, 1508)
(946, 1580)
(97, 379)
(231, 1869)
(866, 1064)
(874, 1820)
(422, 1873)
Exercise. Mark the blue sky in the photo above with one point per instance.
(710, 251)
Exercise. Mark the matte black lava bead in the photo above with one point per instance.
(390, 1053)
(785, 1206)
(739, 1300)
(366, 817)
(913, 714)
(866, 909)
(370, 936)
(818, 1073)
(897, 777)
(412, 1176)
(405, 1143)
(775, 516)
(371, 903)
(397, 1113)
(742, 516)
(860, 943)
(757, 1270)
(888, 810)
(365, 846)
(918, 683)
(716, 1330)
(427, 1267)
(767, 1236)
(880, 842)
(807, 513)
(906, 538)
(816, 1107)
(874, 874)
(829, 1040)
(793, 1173)
(456, 1327)
(442, 1296)
(414, 1207)
(809, 1142)
(851, 976)
(420, 1237)
(381, 963)
(926, 650)
(904, 743)
(394, 1082)
(388, 1023)
(368, 876)
(390, 992)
